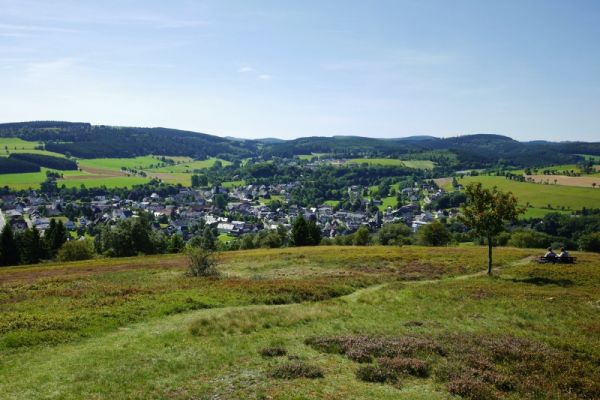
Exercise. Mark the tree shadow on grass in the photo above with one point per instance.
(539, 281)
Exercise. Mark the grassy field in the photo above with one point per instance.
(116, 164)
(138, 328)
(189, 167)
(16, 145)
(539, 196)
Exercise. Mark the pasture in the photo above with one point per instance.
(302, 323)
(191, 166)
(540, 195)
(10, 145)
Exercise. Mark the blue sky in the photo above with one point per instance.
(527, 69)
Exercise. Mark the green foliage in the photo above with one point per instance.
(76, 250)
(394, 234)
(590, 242)
(31, 246)
(434, 234)
(313, 234)
(55, 236)
(9, 252)
(47, 161)
(176, 244)
(529, 239)
(361, 236)
(487, 211)
(130, 237)
(201, 262)
(300, 232)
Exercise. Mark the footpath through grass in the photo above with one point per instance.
(137, 328)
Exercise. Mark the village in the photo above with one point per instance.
(233, 212)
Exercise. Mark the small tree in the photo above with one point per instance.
(361, 237)
(300, 232)
(201, 262)
(9, 252)
(313, 233)
(486, 211)
(434, 234)
(76, 250)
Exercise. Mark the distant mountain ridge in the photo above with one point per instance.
(85, 140)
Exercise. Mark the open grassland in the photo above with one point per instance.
(191, 166)
(115, 164)
(10, 145)
(540, 196)
(32, 180)
(418, 321)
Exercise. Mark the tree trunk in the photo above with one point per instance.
(489, 255)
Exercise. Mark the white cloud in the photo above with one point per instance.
(264, 77)
(245, 68)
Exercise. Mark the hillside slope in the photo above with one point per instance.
(138, 328)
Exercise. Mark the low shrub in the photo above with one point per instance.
(273, 352)
(377, 374)
(201, 262)
(296, 369)
(76, 250)
(409, 366)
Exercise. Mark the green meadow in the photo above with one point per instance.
(16, 145)
(304, 323)
(189, 167)
(539, 195)
(116, 164)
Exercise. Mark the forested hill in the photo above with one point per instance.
(92, 141)
(84, 140)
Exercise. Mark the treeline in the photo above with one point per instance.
(28, 246)
(24, 162)
(9, 165)
(47, 161)
(95, 141)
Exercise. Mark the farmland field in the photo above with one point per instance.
(539, 196)
(116, 163)
(189, 167)
(139, 328)
(16, 145)
(581, 181)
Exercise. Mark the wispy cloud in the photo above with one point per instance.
(23, 30)
(265, 77)
(245, 69)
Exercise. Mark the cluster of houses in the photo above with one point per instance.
(245, 212)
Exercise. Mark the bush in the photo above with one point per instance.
(361, 237)
(273, 352)
(434, 234)
(76, 250)
(529, 239)
(590, 242)
(376, 373)
(201, 262)
(296, 369)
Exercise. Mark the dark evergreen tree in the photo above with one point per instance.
(313, 233)
(208, 239)
(300, 232)
(9, 251)
(32, 247)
